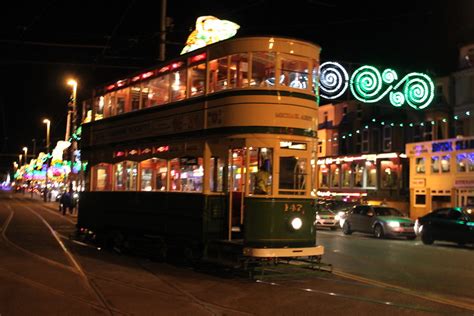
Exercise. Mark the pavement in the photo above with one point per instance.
(52, 205)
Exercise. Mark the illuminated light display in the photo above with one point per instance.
(197, 58)
(333, 80)
(209, 30)
(368, 85)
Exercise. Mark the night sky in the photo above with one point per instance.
(45, 42)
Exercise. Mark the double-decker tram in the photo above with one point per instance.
(209, 153)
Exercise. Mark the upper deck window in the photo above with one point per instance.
(294, 73)
(238, 71)
(263, 69)
(218, 74)
(178, 85)
(197, 77)
(158, 90)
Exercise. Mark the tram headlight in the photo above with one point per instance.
(296, 223)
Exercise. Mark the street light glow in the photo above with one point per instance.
(72, 82)
(46, 121)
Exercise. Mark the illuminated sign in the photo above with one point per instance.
(368, 85)
(292, 145)
(209, 30)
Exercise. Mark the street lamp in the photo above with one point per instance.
(48, 124)
(19, 159)
(25, 149)
(71, 114)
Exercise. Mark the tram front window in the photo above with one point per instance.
(292, 175)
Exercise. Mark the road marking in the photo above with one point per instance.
(429, 297)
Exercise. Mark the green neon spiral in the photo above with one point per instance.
(418, 90)
(389, 76)
(397, 98)
(366, 83)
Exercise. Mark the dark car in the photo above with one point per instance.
(378, 220)
(448, 224)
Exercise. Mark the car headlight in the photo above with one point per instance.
(318, 217)
(393, 224)
(337, 217)
(296, 223)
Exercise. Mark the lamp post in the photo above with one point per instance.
(19, 159)
(48, 124)
(71, 114)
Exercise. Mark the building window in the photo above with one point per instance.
(359, 169)
(365, 141)
(323, 176)
(387, 138)
(346, 174)
(428, 131)
(371, 174)
(417, 133)
(435, 164)
(344, 110)
(335, 175)
(420, 199)
(445, 163)
(420, 165)
(465, 162)
(389, 174)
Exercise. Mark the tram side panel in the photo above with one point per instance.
(179, 218)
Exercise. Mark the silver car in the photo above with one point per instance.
(380, 221)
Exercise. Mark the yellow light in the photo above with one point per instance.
(24, 148)
(46, 121)
(72, 82)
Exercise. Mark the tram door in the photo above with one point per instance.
(236, 189)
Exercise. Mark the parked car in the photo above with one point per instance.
(452, 224)
(327, 218)
(379, 220)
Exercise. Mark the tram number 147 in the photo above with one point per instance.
(294, 208)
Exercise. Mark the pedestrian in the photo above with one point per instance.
(261, 181)
(65, 202)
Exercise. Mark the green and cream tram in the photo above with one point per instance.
(216, 146)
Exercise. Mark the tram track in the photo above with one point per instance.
(92, 288)
(92, 278)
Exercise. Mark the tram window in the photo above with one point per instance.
(294, 73)
(445, 163)
(236, 173)
(263, 69)
(198, 79)
(109, 101)
(118, 177)
(260, 167)
(135, 93)
(161, 174)
(192, 173)
(175, 172)
(293, 175)
(102, 173)
(99, 104)
(131, 169)
(218, 74)
(121, 106)
(158, 90)
(178, 85)
(216, 172)
(238, 71)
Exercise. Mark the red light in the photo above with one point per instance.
(110, 87)
(164, 69)
(136, 78)
(145, 151)
(119, 154)
(197, 58)
(147, 74)
(162, 149)
(176, 65)
(133, 152)
(121, 83)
